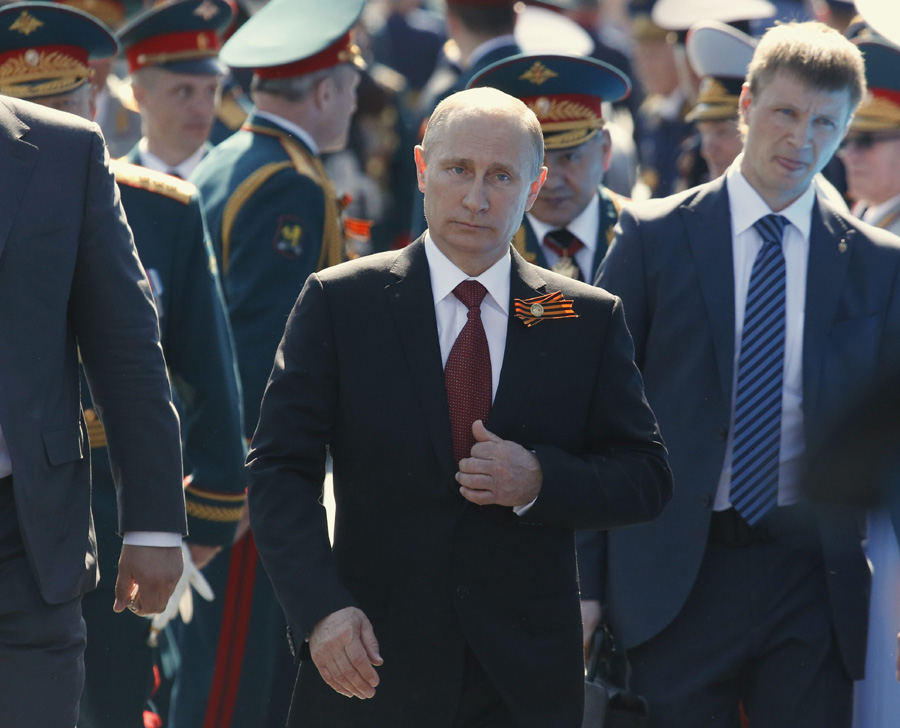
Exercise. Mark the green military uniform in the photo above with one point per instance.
(566, 94)
(273, 220)
(610, 203)
(164, 214)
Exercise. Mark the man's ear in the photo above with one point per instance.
(420, 166)
(606, 148)
(744, 102)
(535, 188)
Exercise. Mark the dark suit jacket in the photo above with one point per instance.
(359, 371)
(671, 263)
(70, 282)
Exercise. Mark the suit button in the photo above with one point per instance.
(462, 592)
(706, 501)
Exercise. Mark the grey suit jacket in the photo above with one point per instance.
(70, 283)
(671, 263)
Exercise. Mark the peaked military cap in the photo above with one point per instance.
(182, 36)
(682, 14)
(295, 37)
(883, 16)
(880, 109)
(39, 55)
(565, 92)
(719, 54)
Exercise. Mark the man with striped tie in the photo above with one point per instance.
(757, 311)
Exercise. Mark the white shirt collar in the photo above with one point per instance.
(747, 206)
(585, 227)
(445, 276)
(184, 170)
(297, 131)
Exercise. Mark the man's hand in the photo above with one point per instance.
(590, 620)
(344, 649)
(499, 472)
(147, 578)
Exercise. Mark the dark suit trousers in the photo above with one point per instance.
(41, 645)
(755, 631)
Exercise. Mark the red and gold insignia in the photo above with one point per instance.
(538, 73)
(550, 306)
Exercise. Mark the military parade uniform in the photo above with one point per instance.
(273, 219)
(165, 217)
(529, 247)
(182, 38)
(566, 93)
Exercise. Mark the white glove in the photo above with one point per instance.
(182, 600)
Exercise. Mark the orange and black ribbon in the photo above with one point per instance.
(549, 306)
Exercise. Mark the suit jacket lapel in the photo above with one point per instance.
(708, 222)
(526, 351)
(830, 249)
(16, 160)
(411, 299)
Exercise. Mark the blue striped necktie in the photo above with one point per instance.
(757, 405)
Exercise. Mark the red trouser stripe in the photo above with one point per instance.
(233, 635)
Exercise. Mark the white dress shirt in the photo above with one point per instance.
(452, 314)
(183, 170)
(585, 227)
(746, 208)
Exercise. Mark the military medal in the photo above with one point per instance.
(566, 266)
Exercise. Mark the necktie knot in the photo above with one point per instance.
(562, 242)
(471, 293)
(771, 228)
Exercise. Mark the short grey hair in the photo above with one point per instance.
(295, 88)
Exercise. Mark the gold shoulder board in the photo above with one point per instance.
(148, 179)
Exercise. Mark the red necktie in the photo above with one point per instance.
(565, 245)
(468, 372)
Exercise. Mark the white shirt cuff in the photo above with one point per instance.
(522, 510)
(152, 538)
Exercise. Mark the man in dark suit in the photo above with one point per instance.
(743, 592)
(71, 286)
(453, 566)
(170, 237)
(571, 222)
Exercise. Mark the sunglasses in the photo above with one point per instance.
(867, 140)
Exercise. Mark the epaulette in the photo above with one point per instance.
(518, 242)
(231, 113)
(148, 179)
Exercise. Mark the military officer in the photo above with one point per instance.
(572, 220)
(719, 55)
(273, 219)
(170, 236)
(177, 81)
